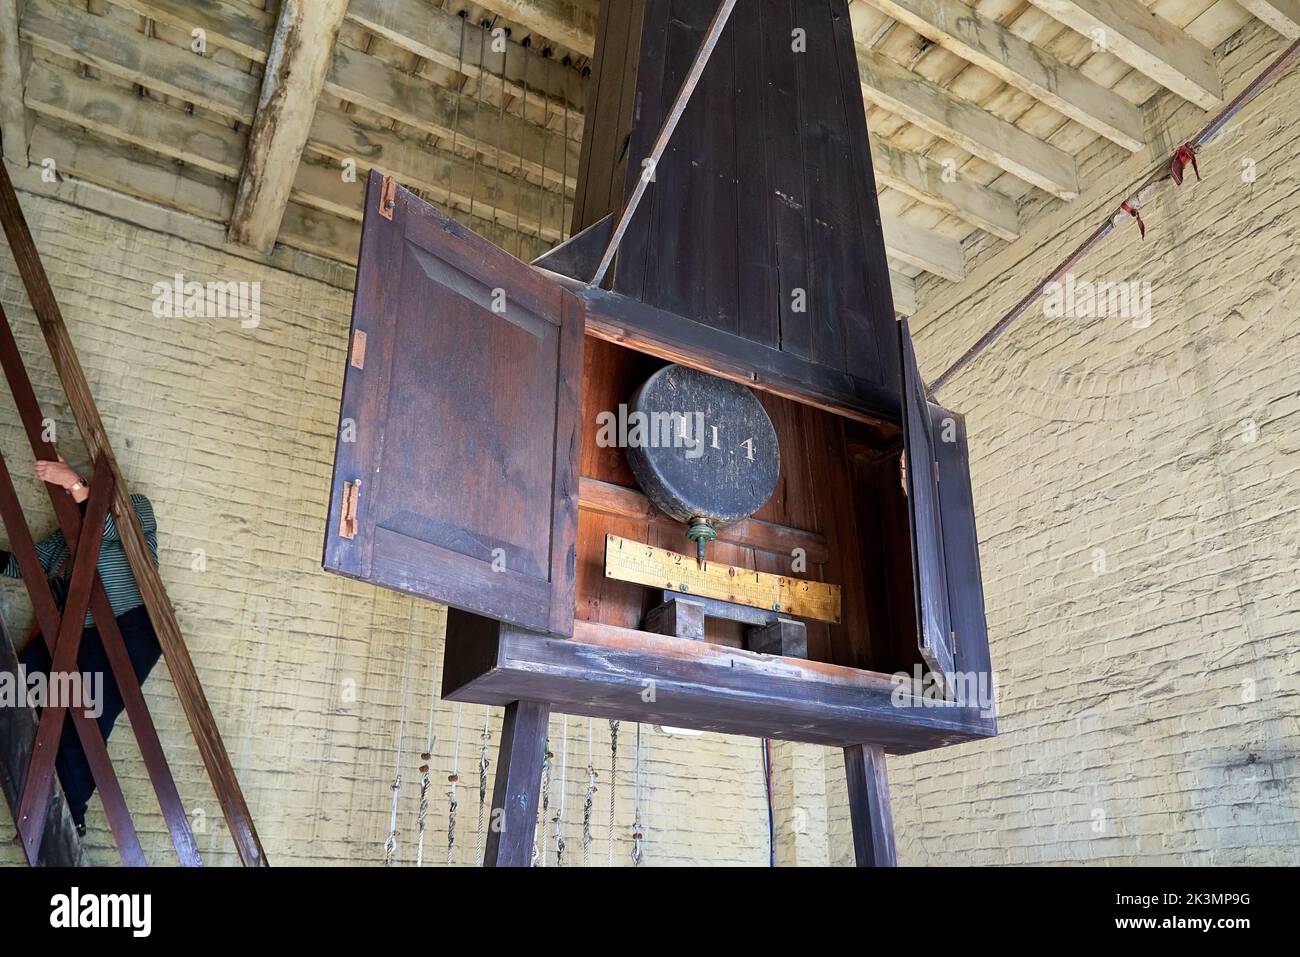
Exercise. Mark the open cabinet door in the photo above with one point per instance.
(455, 473)
(921, 459)
(961, 551)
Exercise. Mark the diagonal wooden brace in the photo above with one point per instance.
(146, 734)
(48, 620)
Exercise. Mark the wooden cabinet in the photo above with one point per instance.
(468, 419)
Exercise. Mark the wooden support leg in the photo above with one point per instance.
(873, 822)
(519, 774)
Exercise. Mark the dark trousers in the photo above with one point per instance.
(143, 649)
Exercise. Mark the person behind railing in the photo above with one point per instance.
(128, 608)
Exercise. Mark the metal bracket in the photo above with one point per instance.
(348, 516)
(387, 197)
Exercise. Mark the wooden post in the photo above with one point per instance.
(873, 822)
(60, 846)
(81, 404)
(514, 795)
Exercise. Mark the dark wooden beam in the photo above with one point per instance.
(605, 671)
(514, 795)
(873, 821)
(646, 328)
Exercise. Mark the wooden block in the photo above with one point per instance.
(782, 637)
(679, 617)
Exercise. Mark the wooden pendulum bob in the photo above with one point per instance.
(705, 452)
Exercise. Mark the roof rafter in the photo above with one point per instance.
(1146, 42)
(989, 45)
(291, 86)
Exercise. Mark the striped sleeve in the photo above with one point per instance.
(144, 512)
(51, 550)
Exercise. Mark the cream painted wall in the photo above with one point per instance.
(1137, 489)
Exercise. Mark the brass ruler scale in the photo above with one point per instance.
(643, 564)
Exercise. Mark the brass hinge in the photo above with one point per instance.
(387, 197)
(359, 349)
(954, 644)
(348, 517)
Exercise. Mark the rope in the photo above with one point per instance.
(564, 161)
(478, 90)
(482, 788)
(390, 845)
(453, 803)
(501, 119)
(455, 123)
(613, 781)
(587, 802)
(527, 43)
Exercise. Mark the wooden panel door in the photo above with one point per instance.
(961, 547)
(455, 473)
(921, 459)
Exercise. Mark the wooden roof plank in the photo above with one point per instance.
(989, 45)
(1147, 42)
(1280, 15)
(931, 183)
(969, 126)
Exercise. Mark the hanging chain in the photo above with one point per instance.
(588, 801)
(613, 781)
(453, 803)
(540, 840)
(637, 831)
(390, 844)
(485, 737)
(564, 789)
(425, 758)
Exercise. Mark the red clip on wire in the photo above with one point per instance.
(1182, 156)
(1136, 214)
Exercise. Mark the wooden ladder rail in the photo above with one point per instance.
(81, 403)
(49, 620)
(71, 522)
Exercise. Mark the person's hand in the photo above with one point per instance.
(60, 473)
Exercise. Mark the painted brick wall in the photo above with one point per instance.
(1138, 497)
